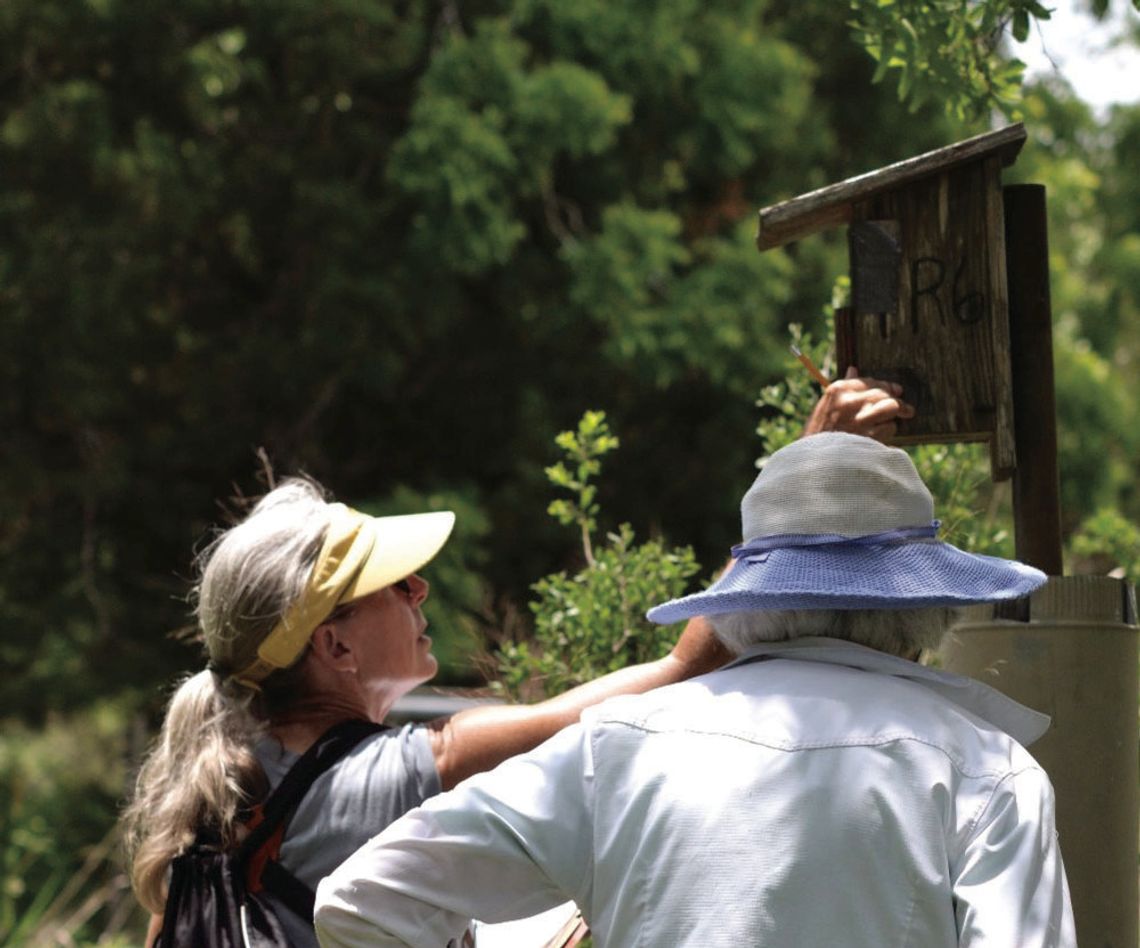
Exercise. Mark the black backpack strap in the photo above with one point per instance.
(288, 890)
(325, 751)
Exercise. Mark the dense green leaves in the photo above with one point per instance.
(947, 50)
(376, 240)
(58, 871)
(1108, 542)
(406, 244)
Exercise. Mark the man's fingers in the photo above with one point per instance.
(871, 390)
(879, 411)
(884, 433)
(861, 405)
(854, 383)
(892, 388)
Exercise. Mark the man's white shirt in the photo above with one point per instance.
(813, 793)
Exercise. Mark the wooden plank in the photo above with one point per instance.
(1036, 482)
(832, 206)
(1003, 455)
(846, 351)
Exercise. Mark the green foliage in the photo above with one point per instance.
(471, 192)
(670, 305)
(1097, 431)
(947, 51)
(1094, 211)
(1111, 542)
(485, 131)
(323, 228)
(974, 512)
(406, 243)
(60, 880)
(339, 230)
(593, 622)
(583, 450)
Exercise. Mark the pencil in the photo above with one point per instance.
(810, 366)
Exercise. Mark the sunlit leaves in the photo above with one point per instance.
(674, 308)
(621, 275)
(1107, 542)
(1098, 425)
(582, 451)
(948, 51)
(593, 622)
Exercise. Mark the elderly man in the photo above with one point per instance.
(822, 790)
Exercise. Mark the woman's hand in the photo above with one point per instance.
(699, 650)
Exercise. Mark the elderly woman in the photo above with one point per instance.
(310, 615)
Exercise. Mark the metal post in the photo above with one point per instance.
(1075, 658)
(1074, 653)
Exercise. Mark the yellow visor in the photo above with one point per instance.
(360, 555)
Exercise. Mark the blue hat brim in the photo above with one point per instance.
(887, 576)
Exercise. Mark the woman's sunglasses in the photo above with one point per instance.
(345, 610)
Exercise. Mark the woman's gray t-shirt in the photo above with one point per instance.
(377, 782)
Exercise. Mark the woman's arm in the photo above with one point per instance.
(478, 739)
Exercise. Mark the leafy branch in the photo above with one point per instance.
(583, 449)
(593, 622)
(948, 51)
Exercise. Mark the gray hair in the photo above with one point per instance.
(902, 632)
(201, 771)
(251, 573)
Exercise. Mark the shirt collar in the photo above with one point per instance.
(1023, 724)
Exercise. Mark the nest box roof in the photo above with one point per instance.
(832, 206)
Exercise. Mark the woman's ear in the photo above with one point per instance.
(330, 649)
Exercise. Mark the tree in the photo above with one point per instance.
(955, 52)
(400, 247)
(391, 245)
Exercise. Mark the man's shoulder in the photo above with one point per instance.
(791, 705)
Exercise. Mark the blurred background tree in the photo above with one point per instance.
(400, 246)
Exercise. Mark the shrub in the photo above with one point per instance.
(593, 622)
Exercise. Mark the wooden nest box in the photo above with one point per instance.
(929, 296)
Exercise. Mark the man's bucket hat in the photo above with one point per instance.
(839, 521)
